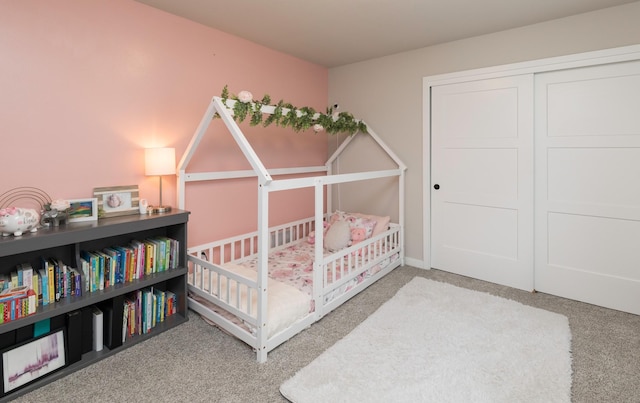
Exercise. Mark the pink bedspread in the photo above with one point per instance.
(293, 265)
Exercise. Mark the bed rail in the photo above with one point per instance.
(344, 274)
(244, 247)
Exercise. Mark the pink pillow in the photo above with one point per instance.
(382, 223)
(373, 224)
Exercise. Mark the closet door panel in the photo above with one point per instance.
(569, 100)
(587, 193)
(482, 163)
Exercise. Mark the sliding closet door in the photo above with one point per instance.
(588, 184)
(482, 180)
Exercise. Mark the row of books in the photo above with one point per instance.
(49, 283)
(146, 308)
(122, 264)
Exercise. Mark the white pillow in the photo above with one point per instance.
(338, 236)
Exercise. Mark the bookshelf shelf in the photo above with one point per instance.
(66, 243)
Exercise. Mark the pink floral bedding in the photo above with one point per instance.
(293, 265)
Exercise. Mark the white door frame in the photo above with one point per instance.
(621, 54)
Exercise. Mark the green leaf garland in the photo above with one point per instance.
(332, 122)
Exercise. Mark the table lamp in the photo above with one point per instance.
(160, 161)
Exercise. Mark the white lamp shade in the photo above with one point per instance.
(160, 161)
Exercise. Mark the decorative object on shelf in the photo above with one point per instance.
(16, 220)
(117, 200)
(83, 210)
(287, 115)
(33, 359)
(29, 197)
(39, 209)
(158, 162)
(144, 206)
(55, 213)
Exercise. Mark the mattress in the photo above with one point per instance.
(290, 285)
(285, 303)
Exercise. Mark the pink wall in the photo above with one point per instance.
(85, 86)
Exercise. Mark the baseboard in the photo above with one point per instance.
(415, 263)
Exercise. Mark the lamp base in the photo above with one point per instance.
(158, 209)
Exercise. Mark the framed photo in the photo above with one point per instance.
(117, 201)
(83, 210)
(26, 362)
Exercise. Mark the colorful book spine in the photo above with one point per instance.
(86, 271)
(44, 281)
(170, 298)
(51, 281)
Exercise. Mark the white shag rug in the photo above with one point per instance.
(434, 342)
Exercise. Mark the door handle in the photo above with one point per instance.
(436, 186)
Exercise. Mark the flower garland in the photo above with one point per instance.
(298, 119)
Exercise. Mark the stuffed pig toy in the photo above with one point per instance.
(16, 220)
(312, 235)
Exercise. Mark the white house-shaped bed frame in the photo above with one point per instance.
(266, 185)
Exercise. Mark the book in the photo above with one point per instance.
(31, 302)
(94, 271)
(104, 264)
(175, 253)
(125, 264)
(160, 302)
(27, 275)
(64, 286)
(150, 257)
(121, 270)
(14, 293)
(140, 249)
(86, 275)
(98, 332)
(170, 305)
(78, 282)
(115, 257)
(50, 279)
(159, 254)
(57, 278)
(37, 288)
(138, 299)
(148, 310)
(100, 270)
(44, 281)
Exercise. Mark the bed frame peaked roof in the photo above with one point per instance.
(224, 110)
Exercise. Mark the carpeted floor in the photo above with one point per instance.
(196, 362)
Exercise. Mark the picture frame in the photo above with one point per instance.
(117, 200)
(83, 210)
(26, 362)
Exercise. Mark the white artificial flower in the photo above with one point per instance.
(245, 96)
(318, 128)
(60, 205)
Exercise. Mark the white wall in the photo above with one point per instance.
(387, 92)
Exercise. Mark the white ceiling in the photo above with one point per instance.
(338, 32)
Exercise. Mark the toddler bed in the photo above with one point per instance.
(266, 286)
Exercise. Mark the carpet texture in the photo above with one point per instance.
(434, 342)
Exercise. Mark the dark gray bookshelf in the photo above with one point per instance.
(65, 243)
